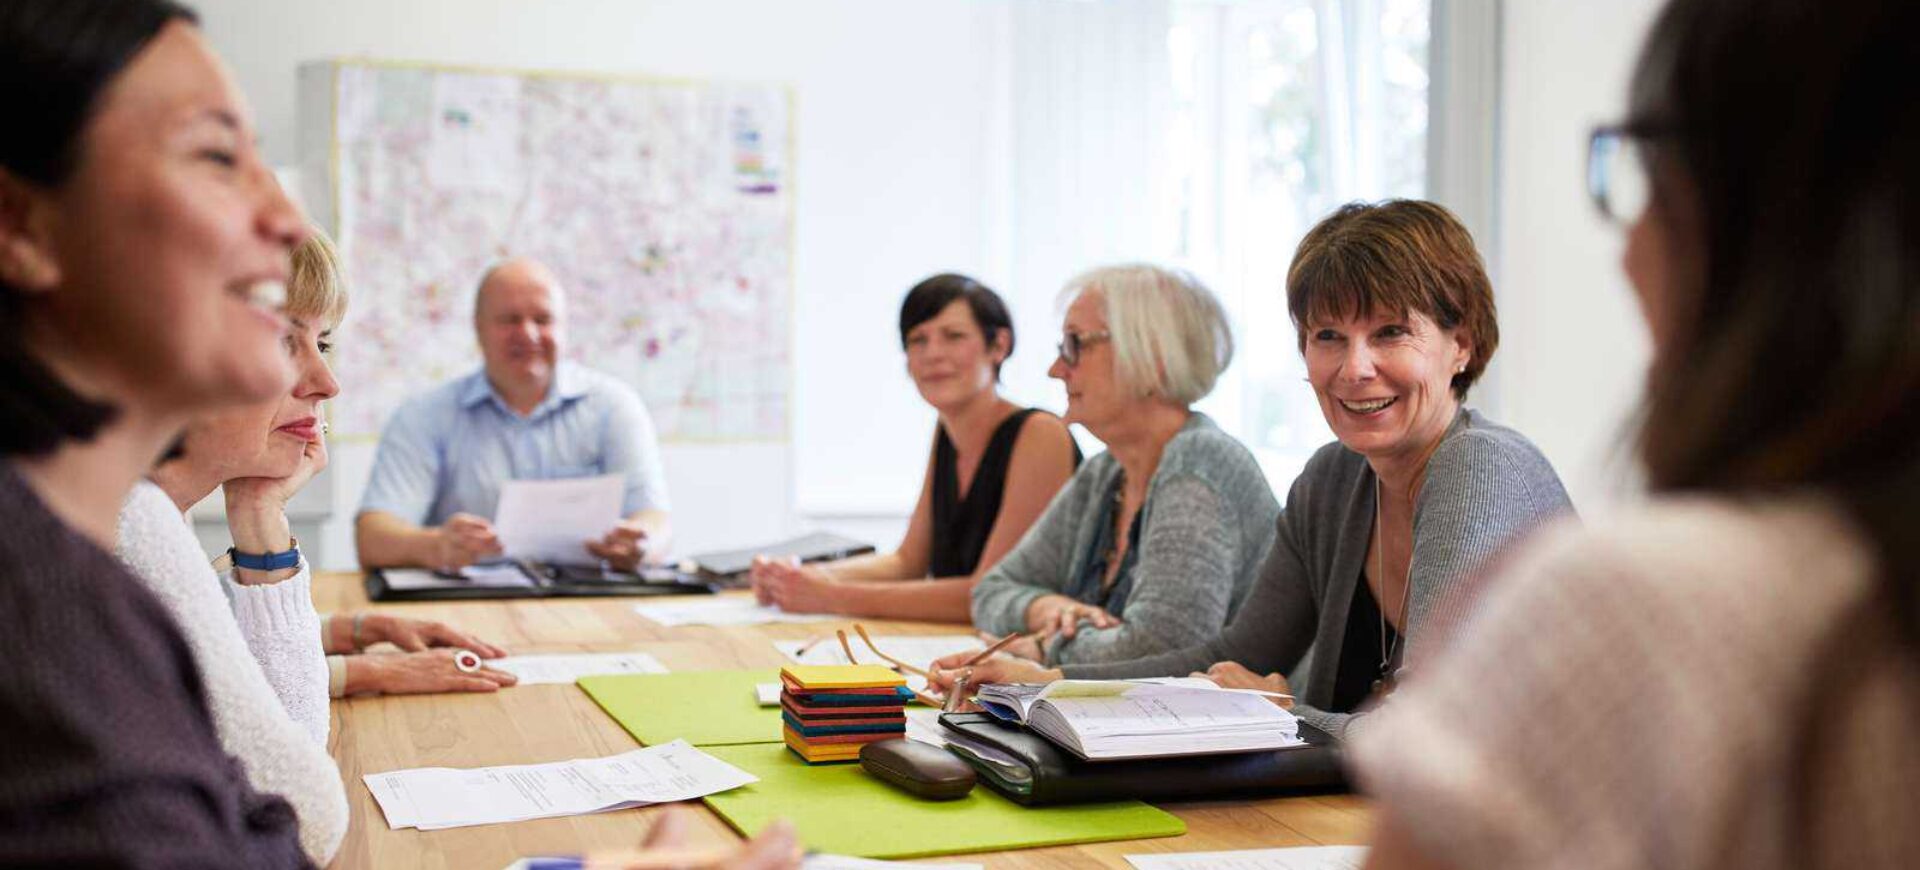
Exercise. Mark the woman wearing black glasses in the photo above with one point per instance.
(1152, 544)
(1730, 676)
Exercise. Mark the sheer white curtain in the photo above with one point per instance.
(1211, 134)
(1089, 98)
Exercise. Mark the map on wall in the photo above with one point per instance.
(665, 207)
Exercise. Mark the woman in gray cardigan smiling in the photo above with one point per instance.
(1382, 530)
(1151, 544)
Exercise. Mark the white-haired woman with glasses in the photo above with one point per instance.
(1152, 544)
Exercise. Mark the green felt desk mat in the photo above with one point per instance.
(840, 810)
(704, 708)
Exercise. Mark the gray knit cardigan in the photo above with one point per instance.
(1485, 485)
(1206, 524)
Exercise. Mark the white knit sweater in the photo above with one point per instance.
(258, 648)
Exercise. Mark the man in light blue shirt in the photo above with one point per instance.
(524, 416)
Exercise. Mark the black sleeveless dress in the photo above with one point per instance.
(961, 526)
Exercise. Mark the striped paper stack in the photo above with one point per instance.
(830, 711)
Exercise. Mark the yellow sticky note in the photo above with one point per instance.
(842, 676)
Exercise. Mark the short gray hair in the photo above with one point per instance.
(1170, 335)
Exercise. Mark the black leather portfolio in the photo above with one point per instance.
(528, 580)
(1028, 769)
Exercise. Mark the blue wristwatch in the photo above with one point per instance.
(267, 561)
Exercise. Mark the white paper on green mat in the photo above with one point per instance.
(432, 798)
(535, 670)
(1297, 858)
(768, 694)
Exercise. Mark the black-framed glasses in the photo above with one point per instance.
(1072, 343)
(1617, 171)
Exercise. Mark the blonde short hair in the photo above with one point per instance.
(1170, 335)
(317, 289)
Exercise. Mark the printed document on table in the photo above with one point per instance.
(534, 670)
(1299, 858)
(729, 610)
(551, 520)
(432, 798)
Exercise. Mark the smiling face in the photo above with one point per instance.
(266, 439)
(518, 318)
(168, 245)
(950, 360)
(1385, 382)
(1095, 397)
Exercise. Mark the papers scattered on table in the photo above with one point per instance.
(551, 520)
(844, 862)
(1105, 719)
(432, 798)
(536, 670)
(1302, 858)
(491, 576)
(729, 610)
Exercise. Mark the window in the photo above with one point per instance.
(1281, 110)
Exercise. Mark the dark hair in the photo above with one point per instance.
(930, 297)
(1400, 255)
(1793, 361)
(56, 58)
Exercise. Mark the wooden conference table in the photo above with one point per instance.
(557, 722)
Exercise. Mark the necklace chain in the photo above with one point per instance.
(1380, 571)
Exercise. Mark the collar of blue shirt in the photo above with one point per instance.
(568, 385)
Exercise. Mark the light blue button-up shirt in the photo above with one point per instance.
(448, 450)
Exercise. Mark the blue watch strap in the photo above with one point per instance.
(267, 561)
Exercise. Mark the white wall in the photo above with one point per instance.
(1573, 352)
(900, 120)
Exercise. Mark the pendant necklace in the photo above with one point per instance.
(1385, 682)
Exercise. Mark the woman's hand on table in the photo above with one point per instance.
(793, 588)
(413, 635)
(1232, 675)
(997, 668)
(420, 673)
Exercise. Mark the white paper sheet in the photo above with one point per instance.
(923, 724)
(535, 670)
(551, 520)
(844, 862)
(768, 694)
(432, 798)
(1299, 858)
(728, 610)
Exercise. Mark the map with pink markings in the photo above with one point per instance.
(664, 206)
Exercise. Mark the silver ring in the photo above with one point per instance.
(466, 661)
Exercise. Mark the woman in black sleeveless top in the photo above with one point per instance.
(995, 466)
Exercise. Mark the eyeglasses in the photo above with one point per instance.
(1073, 343)
(1617, 177)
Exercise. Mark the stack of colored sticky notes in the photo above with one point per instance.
(830, 711)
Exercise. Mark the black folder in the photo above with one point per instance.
(1047, 774)
(530, 580)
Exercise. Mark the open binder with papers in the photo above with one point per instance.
(1031, 770)
(526, 579)
(1100, 720)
